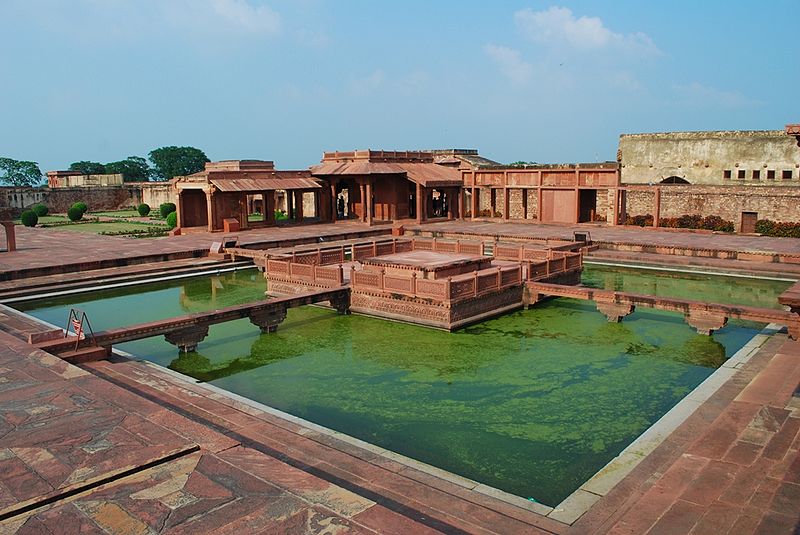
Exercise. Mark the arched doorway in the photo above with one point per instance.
(675, 180)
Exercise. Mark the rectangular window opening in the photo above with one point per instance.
(726, 174)
(771, 174)
(740, 174)
(787, 175)
(756, 174)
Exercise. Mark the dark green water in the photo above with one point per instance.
(534, 402)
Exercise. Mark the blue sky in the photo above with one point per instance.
(286, 79)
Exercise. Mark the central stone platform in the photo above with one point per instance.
(428, 264)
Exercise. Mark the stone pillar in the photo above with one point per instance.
(615, 207)
(461, 194)
(268, 319)
(475, 204)
(506, 203)
(420, 203)
(363, 201)
(11, 236)
(540, 209)
(657, 207)
(187, 338)
(210, 210)
(524, 204)
(334, 203)
(615, 311)
(298, 205)
(369, 201)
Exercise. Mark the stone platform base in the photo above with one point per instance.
(436, 314)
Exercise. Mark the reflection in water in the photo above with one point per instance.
(533, 402)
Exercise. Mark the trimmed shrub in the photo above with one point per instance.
(767, 227)
(75, 213)
(80, 205)
(711, 222)
(172, 219)
(29, 218)
(640, 220)
(40, 209)
(280, 215)
(167, 208)
(143, 209)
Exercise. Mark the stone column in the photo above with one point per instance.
(298, 205)
(657, 207)
(334, 203)
(475, 202)
(11, 236)
(369, 201)
(210, 209)
(420, 203)
(363, 192)
(506, 203)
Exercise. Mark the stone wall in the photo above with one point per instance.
(706, 157)
(58, 200)
(152, 193)
(728, 202)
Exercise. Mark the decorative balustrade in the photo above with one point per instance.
(450, 289)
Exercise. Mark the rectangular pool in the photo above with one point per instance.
(533, 403)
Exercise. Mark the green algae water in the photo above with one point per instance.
(533, 402)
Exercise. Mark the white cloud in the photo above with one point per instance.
(698, 94)
(367, 84)
(239, 13)
(510, 63)
(559, 26)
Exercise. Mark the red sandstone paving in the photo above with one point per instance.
(621, 234)
(41, 247)
(740, 476)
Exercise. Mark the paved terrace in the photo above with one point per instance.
(51, 248)
(620, 235)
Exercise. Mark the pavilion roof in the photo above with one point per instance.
(425, 174)
(262, 181)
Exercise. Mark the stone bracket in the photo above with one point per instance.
(615, 311)
(187, 338)
(706, 322)
(268, 320)
(341, 304)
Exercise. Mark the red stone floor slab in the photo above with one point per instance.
(317, 459)
(80, 453)
(737, 471)
(59, 433)
(47, 247)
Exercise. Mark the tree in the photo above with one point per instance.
(19, 173)
(132, 169)
(88, 168)
(169, 162)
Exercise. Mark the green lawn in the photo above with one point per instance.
(108, 226)
(116, 213)
(46, 219)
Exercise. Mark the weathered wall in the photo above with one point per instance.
(58, 200)
(703, 157)
(728, 202)
(152, 193)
